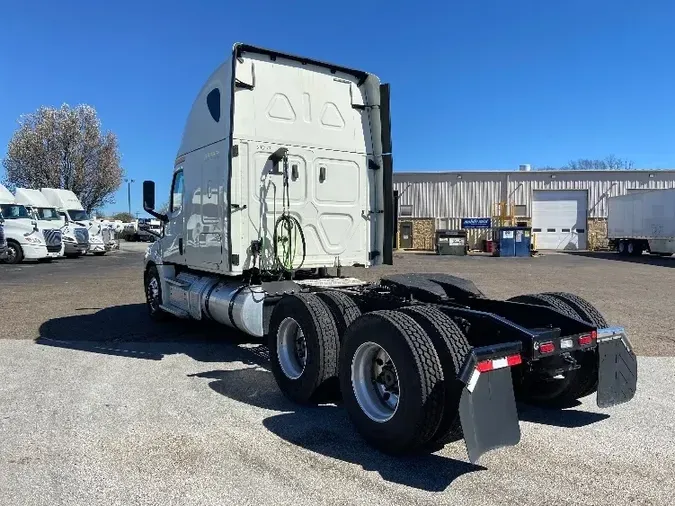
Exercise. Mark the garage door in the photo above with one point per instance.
(559, 219)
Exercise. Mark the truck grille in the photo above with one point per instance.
(52, 238)
(107, 235)
(82, 235)
(2, 235)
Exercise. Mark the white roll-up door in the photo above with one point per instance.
(559, 219)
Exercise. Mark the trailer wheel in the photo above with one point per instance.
(153, 294)
(303, 344)
(587, 381)
(392, 381)
(621, 248)
(452, 347)
(342, 307)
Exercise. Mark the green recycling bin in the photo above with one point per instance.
(451, 242)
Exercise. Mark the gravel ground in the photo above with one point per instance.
(199, 422)
(635, 294)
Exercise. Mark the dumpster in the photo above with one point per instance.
(514, 241)
(451, 242)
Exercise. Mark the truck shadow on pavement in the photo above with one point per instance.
(127, 331)
(326, 430)
(645, 259)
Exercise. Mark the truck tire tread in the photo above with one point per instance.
(321, 335)
(588, 376)
(546, 300)
(342, 307)
(452, 347)
(409, 430)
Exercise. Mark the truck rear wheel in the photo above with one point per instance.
(573, 384)
(303, 342)
(392, 381)
(342, 307)
(587, 382)
(452, 347)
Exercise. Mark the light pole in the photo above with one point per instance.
(129, 181)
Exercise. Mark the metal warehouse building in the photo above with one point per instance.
(566, 209)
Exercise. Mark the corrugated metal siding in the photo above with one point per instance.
(475, 194)
(459, 199)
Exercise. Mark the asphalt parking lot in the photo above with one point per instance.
(100, 406)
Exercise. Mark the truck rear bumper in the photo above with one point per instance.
(617, 367)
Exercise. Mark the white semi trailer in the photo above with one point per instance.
(71, 211)
(642, 221)
(24, 239)
(284, 172)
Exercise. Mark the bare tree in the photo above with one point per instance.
(65, 148)
(609, 163)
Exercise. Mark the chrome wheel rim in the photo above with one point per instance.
(152, 294)
(291, 348)
(631, 248)
(11, 254)
(375, 382)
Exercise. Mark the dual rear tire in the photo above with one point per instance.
(396, 370)
(574, 384)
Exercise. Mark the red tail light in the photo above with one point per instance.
(586, 340)
(546, 347)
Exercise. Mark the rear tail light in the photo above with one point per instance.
(546, 347)
(585, 340)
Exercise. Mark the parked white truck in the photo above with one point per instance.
(285, 172)
(71, 211)
(24, 239)
(642, 221)
(75, 239)
(3, 240)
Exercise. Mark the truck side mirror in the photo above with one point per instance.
(149, 201)
(148, 195)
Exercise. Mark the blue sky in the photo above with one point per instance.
(476, 84)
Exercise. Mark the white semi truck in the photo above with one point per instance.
(71, 211)
(75, 238)
(25, 241)
(284, 172)
(3, 240)
(642, 221)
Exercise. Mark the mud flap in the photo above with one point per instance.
(487, 408)
(617, 368)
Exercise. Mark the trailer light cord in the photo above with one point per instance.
(286, 231)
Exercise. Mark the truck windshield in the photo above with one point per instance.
(14, 212)
(78, 215)
(48, 214)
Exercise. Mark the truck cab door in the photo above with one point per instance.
(173, 241)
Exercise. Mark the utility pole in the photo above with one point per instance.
(129, 181)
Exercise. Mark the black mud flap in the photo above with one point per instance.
(617, 369)
(487, 408)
